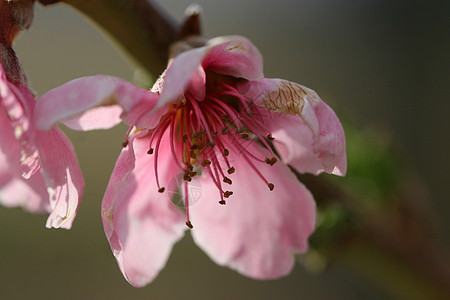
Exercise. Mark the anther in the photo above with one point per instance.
(226, 152)
(150, 151)
(185, 138)
(231, 170)
(227, 180)
(270, 137)
(192, 174)
(271, 161)
(271, 186)
(187, 177)
(206, 163)
(227, 194)
(189, 224)
(194, 147)
(192, 154)
(124, 144)
(245, 136)
(222, 202)
(190, 167)
(161, 190)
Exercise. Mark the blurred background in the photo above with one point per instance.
(382, 65)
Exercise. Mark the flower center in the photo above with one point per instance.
(204, 133)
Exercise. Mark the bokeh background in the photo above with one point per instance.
(383, 65)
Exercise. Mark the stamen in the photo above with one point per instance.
(226, 152)
(127, 136)
(161, 190)
(150, 151)
(231, 170)
(222, 202)
(271, 186)
(186, 205)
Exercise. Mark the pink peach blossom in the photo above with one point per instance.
(213, 122)
(38, 169)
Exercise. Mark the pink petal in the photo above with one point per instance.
(179, 74)
(197, 86)
(16, 134)
(140, 117)
(141, 224)
(234, 56)
(101, 117)
(30, 194)
(258, 231)
(71, 100)
(63, 177)
(307, 132)
(17, 192)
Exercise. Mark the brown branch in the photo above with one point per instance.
(141, 28)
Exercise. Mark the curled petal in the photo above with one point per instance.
(258, 231)
(179, 74)
(73, 99)
(234, 56)
(62, 175)
(307, 132)
(141, 224)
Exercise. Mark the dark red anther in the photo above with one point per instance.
(187, 177)
(189, 224)
(270, 137)
(150, 151)
(227, 194)
(273, 161)
(206, 163)
(222, 202)
(124, 144)
(271, 186)
(226, 152)
(227, 180)
(161, 190)
(231, 170)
